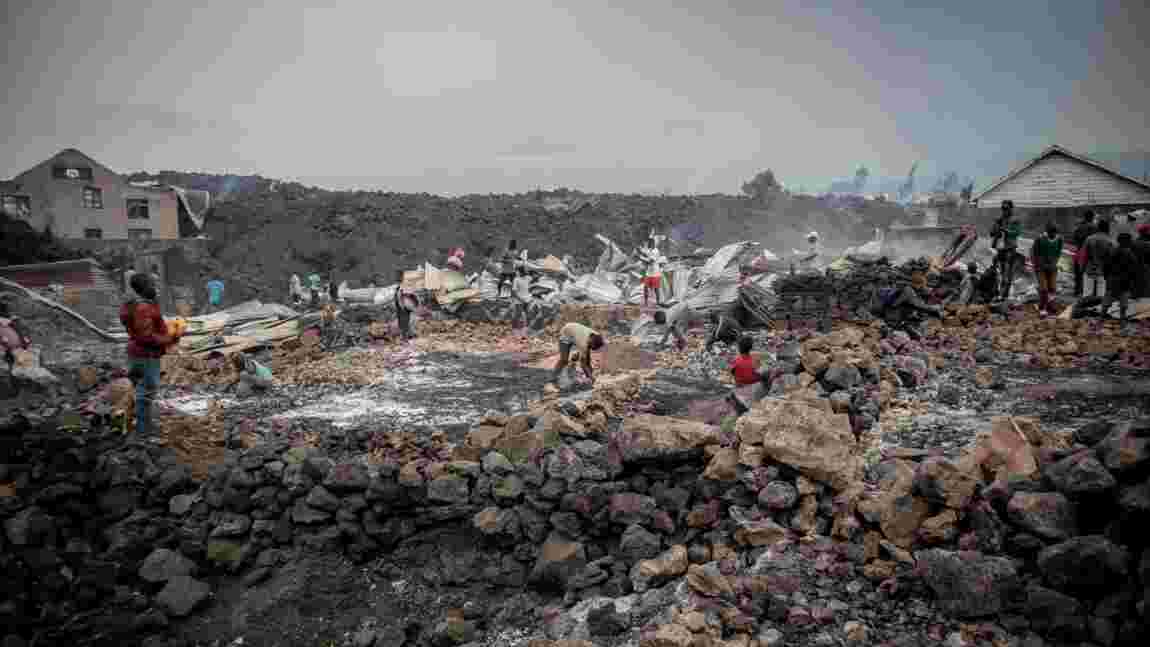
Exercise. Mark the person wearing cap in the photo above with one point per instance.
(577, 337)
(1044, 256)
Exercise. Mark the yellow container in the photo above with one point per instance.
(176, 327)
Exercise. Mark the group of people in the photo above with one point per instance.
(1113, 268)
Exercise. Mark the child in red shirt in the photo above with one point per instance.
(743, 368)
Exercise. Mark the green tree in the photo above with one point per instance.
(861, 177)
(763, 188)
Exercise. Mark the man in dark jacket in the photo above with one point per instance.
(148, 341)
(1081, 233)
(1141, 247)
(1122, 272)
(405, 305)
(1005, 236)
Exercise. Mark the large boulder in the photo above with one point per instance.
(968, 584)
(648, 437)
(816, 442)
(1049, 515)
(181, 595)
(946, 482)
(1127, 447)
(163, 565)
(652, 572)
(559, 559)
(1080, 473)
(1086, 567)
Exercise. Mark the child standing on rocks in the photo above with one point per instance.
(148, 341)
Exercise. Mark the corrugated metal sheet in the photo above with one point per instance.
(80, 274)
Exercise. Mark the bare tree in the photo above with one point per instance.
(763, 188)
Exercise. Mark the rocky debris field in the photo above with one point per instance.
(887, 491)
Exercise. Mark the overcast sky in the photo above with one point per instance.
(504, 96)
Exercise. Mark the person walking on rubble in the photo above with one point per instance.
(148, 341)
(509, 261)
(1083, 231)
(652, 273)
(1095, 256)
(576, 336)
(215, 294)
(1005, 234)
(1044, 255)
(405, 305)
(1122, 271)
(521, 291)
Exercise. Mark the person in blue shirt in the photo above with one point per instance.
(215, 294)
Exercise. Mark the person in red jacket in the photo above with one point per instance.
(148, 340)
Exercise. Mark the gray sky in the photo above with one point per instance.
(502, 96)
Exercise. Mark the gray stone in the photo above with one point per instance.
(1080, 474)
(628, 507)
(163, 564)
(778, 495)
(604, 620)
(231, 524)
(346, 478)
(1086, 567)
(1048, 515)
(320, 498)
(30, 527)
(497, 464)
(303, 513)
(842, 376)
(1127, 447)
(448, 489)
(1053, 613)
(507, 489)
(181, 595)
(180, 504)
(968, 584)
(639, 543)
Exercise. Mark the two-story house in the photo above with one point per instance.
(77, 197)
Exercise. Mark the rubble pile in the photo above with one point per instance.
(90, 525)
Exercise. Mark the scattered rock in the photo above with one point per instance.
(163, 565)
(1080, 474)
(1085, 567)
(181, 595)
(1048, 515)
(968, 584)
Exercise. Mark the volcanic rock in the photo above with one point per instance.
(1048, 515)
(1086, 567)
(1080, 474)
(969, 584)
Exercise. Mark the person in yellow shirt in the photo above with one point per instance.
(583, 339)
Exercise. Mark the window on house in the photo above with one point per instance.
(17, 206)
(72, 172)
(94, 233)
(140, 234)
(93, 198)
(137, 208)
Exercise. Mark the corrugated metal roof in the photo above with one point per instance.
(77, 274)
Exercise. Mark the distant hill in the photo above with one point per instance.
(262, 231)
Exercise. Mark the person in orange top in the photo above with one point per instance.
(148, 341)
